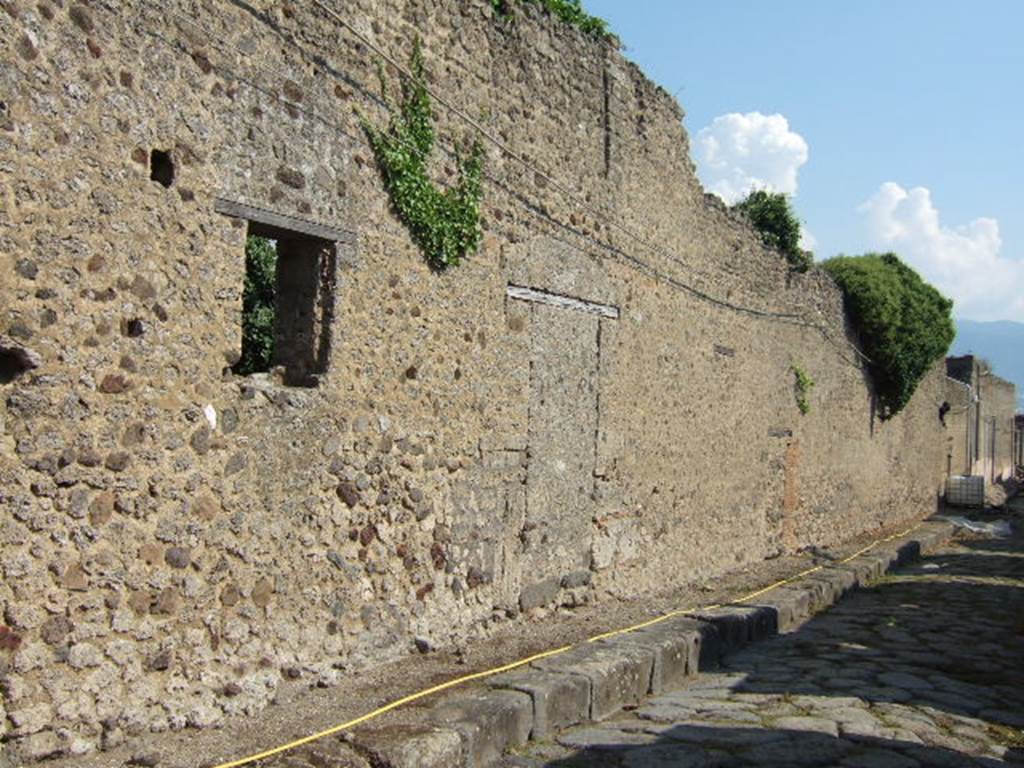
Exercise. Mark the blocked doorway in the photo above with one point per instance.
(565, 361)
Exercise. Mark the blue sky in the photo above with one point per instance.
(901, 124)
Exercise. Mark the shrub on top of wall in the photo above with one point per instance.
(904, 323)
(771, 214)
(569, 11)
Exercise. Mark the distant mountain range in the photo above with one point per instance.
(1001, 343)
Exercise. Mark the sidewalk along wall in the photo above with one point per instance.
(602, 394)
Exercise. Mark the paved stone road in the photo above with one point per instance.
(925, 668)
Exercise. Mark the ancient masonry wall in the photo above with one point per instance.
(563, 418)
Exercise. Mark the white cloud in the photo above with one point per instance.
(807, 240)
(963, 262)
(738, 153)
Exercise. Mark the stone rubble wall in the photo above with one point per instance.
(176, 541)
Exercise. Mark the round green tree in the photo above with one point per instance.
(904, 323)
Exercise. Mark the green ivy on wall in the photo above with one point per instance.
(444, 224)
(802, 386)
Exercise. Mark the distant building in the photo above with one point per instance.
(1018, 441)
(979, 416)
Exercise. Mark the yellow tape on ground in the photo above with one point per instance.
(393, 705)
(530, 659)
(871, 546)
(778, 584)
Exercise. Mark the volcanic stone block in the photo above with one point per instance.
(862, 568)
(411, 746)
(618, 676)
(886, 557)
(830, 585)
(791, 606)
(559, 700)
(738, 625)
(908, 551)
(674, 653)
(818, 592)
(489, 723)
(932, 534)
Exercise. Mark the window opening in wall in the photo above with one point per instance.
(161, 167)
(287, 304)
(13, 363)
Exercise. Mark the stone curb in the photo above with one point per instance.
(595, 680)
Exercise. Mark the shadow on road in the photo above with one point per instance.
(687, 746)
(924, 668)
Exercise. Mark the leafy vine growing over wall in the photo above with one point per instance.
(444, 223)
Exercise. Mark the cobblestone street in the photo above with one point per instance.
(924, 668)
